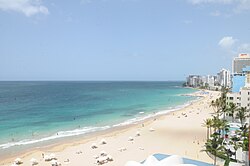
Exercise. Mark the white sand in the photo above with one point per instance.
(174, 134)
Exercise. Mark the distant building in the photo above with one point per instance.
(194, 81)
(201, 81)
(240, 62)
(224, 78)
(210, 80)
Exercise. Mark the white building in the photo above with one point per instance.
(224, 78)
(194, 80)
(210, 80)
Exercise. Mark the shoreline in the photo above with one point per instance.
(50, 140)
(109, 133)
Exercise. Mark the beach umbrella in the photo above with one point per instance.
(47, 158)
(52, 156)
(33, 161)
(151, 129)
(103, 153)
(102, 160)
(95, 157)
(122, 149)
(171, 161)
(109, 158)
(18, 161)
(53, 162)
(138, 133)
(103, 141)
(94, 146)
(130, 138)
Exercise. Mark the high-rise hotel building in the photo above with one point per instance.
(238, 75)
(240, 62)
(240, 94)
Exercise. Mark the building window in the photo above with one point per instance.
(248, 78)
(231, 98)
(238, 98)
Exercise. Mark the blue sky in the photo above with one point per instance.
(120, 39)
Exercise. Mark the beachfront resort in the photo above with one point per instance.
(124, 82)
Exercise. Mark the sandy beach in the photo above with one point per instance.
(180, 133)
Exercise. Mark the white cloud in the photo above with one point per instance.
(27, 7)
(242, 6)
(244, 48)
(233, 46)
(227, 42)
(236, 5)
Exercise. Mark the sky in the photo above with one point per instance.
(144, 40)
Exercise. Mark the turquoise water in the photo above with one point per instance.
(33, 112)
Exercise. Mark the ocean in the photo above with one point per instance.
(35, 112)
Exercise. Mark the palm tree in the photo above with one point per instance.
(242, 114)
(222, 125)
(213, 146)
(216, 105)
(224, 91)
(223, 106)
(208, 123)
(244, 137)
(215, 123)
(213, 103)
(224, 111)
(232, 109)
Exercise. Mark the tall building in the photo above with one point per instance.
(241, 96)
(238, 76)
(194, 80)
(243, 60)
(224, 78)
(210, 80)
